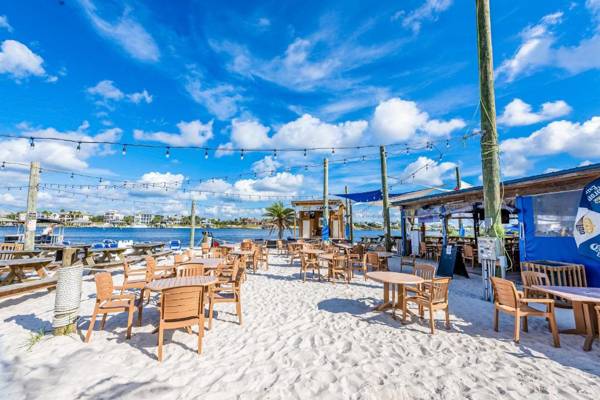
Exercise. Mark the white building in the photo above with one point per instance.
(113, 217)
(142, 219)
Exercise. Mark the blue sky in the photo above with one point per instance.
(242, 74)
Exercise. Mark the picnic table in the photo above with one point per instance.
(106, 255)
(583, 300)
(9, 255)
(16, 268)
(140, 249)
(390, 280)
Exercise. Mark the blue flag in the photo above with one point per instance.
(587, 221)
(325, 231)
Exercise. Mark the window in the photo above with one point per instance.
(554, 213)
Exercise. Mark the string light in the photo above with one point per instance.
(124, 150)
(78, 146)
(206, 154)
(242, 154)
(304, 152)
(332, 150)
(3, 164)
(275, 154)
(168, 152)
(31, 143)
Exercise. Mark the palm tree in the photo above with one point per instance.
(279, 217)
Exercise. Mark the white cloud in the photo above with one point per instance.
(579, 140)
(519, 113)
(428, 11)
(397, 120)
(224, 150)
(264, 22)
(249, 134)
(282, 183)
(106, 91)
(18, 60)
(126, 32)
(192, 133)
(539, 49)
(265, 166)
(158, 184)
(428, 172)
(221, 100)
(4, 23)
(585, 163)
(138, 97)
(57, 154)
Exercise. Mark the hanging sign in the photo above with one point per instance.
(587, 221)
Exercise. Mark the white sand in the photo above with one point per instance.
(299, 340)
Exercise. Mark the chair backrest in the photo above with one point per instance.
(178, 258)
(11, 246)
(372, 259)
(422, 247)
(467, 251)
(205, 248)
(358, 249)
(150, 268)
(505, 292)
(216, 252)
(181, 303)
(439, 290)
(424, 271)
(531, 278)
(246, 245)
(339, 262)
(186, 270)
(104, 286)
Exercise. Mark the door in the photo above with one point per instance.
(335, 229)
(305, 229)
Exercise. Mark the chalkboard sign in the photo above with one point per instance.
(451, 262)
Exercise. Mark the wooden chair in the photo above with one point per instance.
(217, 252)
(109, 302)
(469, 255)
(507, 299)
(263, 257)
(434, 299)
(133, 278)
(422, 250)
(205, 248)
(531, 278)
(227, 292)
(246, 245)
(425, 271)
(373, 262)
(181, 307)
(309, 261)
(358, 264)
(187, 270)
(255, 259)
(338, 267)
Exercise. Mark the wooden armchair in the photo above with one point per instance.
(246, 245)
(507, 299)
(425, 271)
(359, 264)
(338, 267)
(217, 252)
(373, 262)
(181, 307)
(133, 278)
(422, 250)
(410, 261)
(309, 261)
(187, 270)
(263, 256)
(531, 278)
(205, 248)
(434, 299)
(227, 292)
(109, 302)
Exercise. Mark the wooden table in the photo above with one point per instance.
(245, 253)
(140, 249)
(105, 255)
(389, 279)
(314, 252)
(17, 268)
(583, 300)
(158, 285)
(10, 255)
(207, 262)
(343, 246)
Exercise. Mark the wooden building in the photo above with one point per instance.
(309, 218)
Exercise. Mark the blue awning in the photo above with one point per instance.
(365, 197)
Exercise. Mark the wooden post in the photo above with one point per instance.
(403, 231)
(325, 198)
(31, 216)
(386, 201)
(458, 187)
(490, 162)
(347, 216)
(351, 222)
(193, 224)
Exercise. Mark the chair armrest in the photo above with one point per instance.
(541, 301)
(127, 296)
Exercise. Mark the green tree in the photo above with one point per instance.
(279, 217)
(128, 220)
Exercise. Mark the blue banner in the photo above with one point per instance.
(325, 231)
(587, 221)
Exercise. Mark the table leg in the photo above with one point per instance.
(386, 298)
(579, 318)
(393, 287)
(589, 328)
(41, 272)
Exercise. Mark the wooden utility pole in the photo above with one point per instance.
(325, 226)
(386, 201)
(458, 187)
(347, 218)
(193, 224)
(490, 163)
(31, 216)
